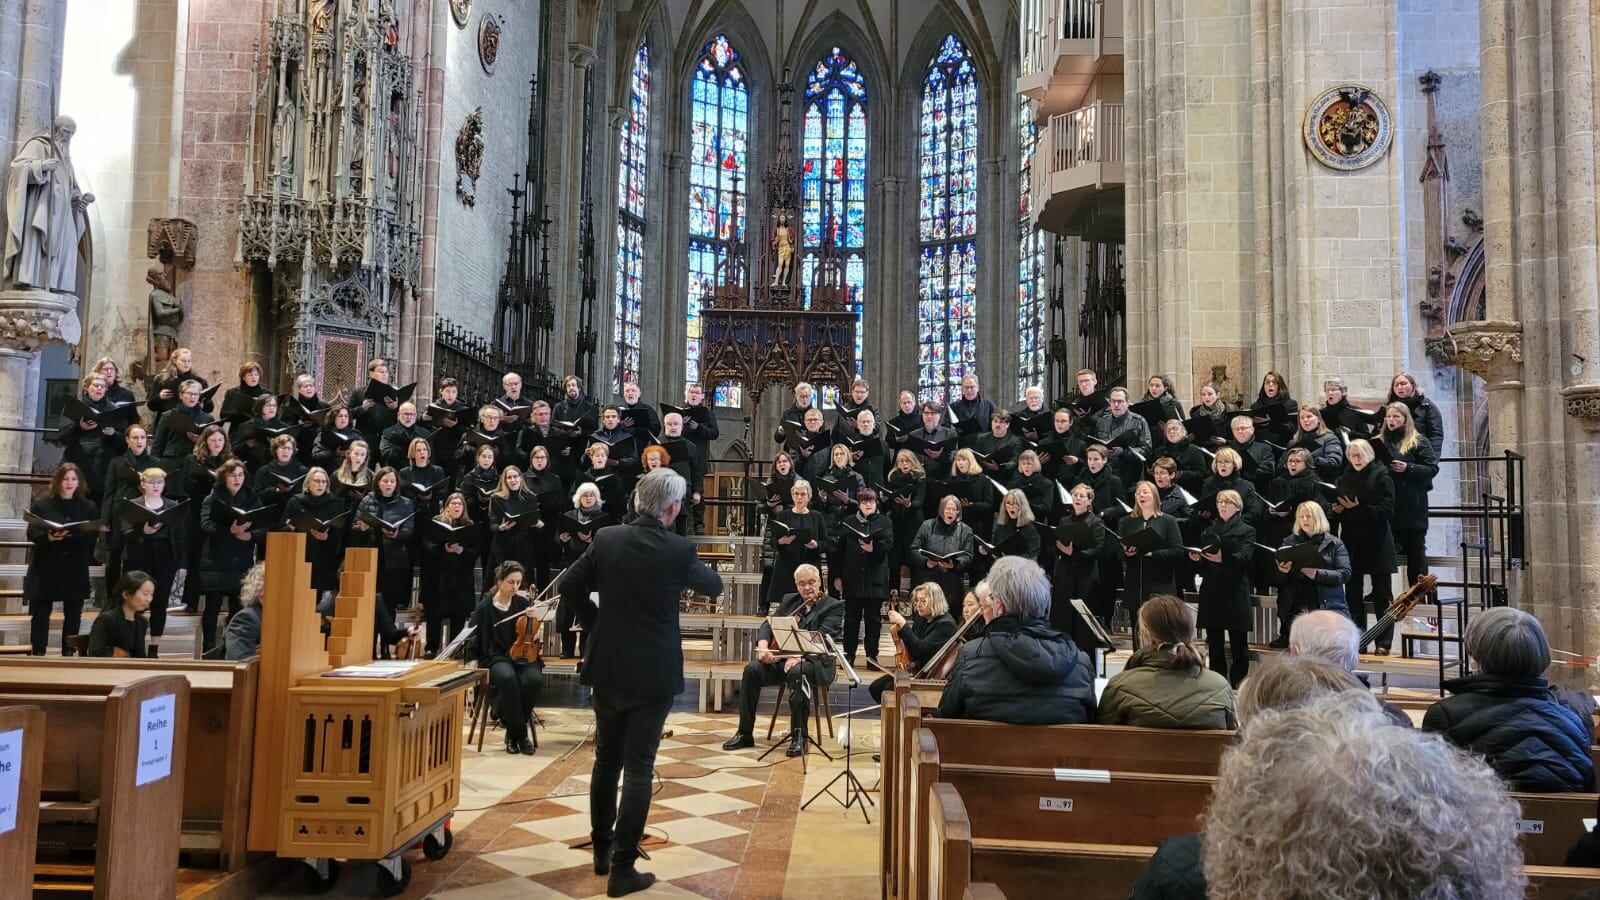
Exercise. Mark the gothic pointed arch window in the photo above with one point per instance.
(719, 133)
(947, 222)
(833, 180)
(633, 144)
(1030, 256)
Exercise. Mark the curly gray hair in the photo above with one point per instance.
(1447, 828)
(253, 585)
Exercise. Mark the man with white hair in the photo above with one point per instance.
(1021, 670)
(816, 612)
(1331, 636)
(634, 661)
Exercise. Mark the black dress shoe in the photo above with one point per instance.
(739, 741)
(513, 746)
(526, 747)
(797, 743)
(626, 880)
(1281, 642)
(602, 857)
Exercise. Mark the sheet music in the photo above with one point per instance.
(457, 642)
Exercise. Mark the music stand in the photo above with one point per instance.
(1101, 636)
(854, 792)
(788, 639)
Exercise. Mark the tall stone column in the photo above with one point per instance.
(567, 228)
(666, 336)
(891, 352)
(1539, 193)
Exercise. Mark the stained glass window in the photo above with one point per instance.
(719, 129)
(633, 145)
(1030, 256)
(833, 180)
(948, 222)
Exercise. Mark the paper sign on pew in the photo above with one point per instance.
(10, 778)
(156, 727)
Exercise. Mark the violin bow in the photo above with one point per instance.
(534, 602)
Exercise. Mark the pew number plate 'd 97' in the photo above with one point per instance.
(1055, 804)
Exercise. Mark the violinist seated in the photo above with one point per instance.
(919, 638)
(816, 612)
(516, 672)
(1021, 671)
(124, 631)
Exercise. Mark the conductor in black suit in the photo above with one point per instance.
(817, 612)
(634, 661)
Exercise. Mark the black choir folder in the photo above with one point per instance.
(1301, 556)
(82, 526)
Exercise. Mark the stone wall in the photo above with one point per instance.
(472, 250)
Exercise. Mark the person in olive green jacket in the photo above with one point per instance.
(1166, 683)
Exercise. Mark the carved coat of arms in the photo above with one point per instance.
(1348, 127)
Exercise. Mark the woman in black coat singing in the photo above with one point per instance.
(929, 628)
(516, 682)
(91, 444)
(58, 564)
(1149, 571)
(1077, 569)
(904, 501)
(122, 483)
(1226, 549)
(198, 475)
(449, 564)
(1412, 465)
(387, 519)
(861, 577)
(282, 477)
(513, 516)
(230, 548)
(1365, 507)
(944, 549)
(324, 545)
(796, 536)
(159, 550)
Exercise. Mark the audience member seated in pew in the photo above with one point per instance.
(123, 630)
(1509, 714)
(1021, 671)
(1166, 683)
(1332, 637)
(1299, 810)
(929, 629)
(243, 635)
(1174, 871)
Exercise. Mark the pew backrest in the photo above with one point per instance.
(1552, 823)
(22, 765)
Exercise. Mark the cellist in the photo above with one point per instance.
(516, 682)
(920, 637)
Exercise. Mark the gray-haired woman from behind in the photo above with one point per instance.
(1509, 714)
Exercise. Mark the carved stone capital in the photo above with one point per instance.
(1492, 350)
(1583, 403)
(30, 319)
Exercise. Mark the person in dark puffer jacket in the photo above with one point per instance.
(1022, 671)
(1509, 714)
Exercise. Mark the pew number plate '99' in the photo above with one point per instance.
(1055, 804)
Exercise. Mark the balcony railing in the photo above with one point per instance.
(1089, 135)
(1080, 155)
(1045, 22)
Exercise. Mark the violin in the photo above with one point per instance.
(902, 656)
(529, 644)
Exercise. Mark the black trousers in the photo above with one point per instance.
(516, 687)
(757, 675)
(857, 609)
(39, 609)
(211, 609)
(1237, 666)
(627, 732)
(1413, 544)
(879, 686)
(572, 642)
(113, 574)
(435, 630)
(1382, 595)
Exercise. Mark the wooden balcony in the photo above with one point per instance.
(1067, 45)
(1078, 172)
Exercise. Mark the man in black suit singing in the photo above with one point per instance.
(817, 612)
(634, 661)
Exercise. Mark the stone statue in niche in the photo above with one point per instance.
(47, 243)
(166, 316)
(1227, 388)
(288, 129)
(783, 252)
(469, 157)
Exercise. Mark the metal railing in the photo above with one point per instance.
(1044, 22)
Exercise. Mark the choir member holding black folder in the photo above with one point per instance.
(575, 414)
(302, 410)
(282, 478)
(239, 402)
(488, 433)
(796, 535)
(1126, 435)
(1061, 450)
(1412, 464)
(943, 548)
(178, 429)
(1087, 404)
(155, 543)
(1364, 505)
(934, 444)
(478, 483)
(323, 519)
(868, 452)
(450, 544)
(1424, 413)
(252, 440)
(395, 447)
(1274, 411)
(63, 526)
(969, 414)
(233, 522)
(1152, 545)
(447, 419)
(165, 388)
(1031, 418)
(1080, 540)
(860, 571)
(851, 405)
(699, 429)
(513, 520)
(551, 495)
(1222, 555)
(376, 403)
(907, 418)
(1316, 565)
(1214, 410)
(637, 417)
(387, 519)
(901, 494)
(607, 474)
(90, 434)
(122, 483)
(1327, 451)
(996, 449)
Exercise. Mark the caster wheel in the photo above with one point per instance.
(388, 885)
(315, 883)
(436, 849)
